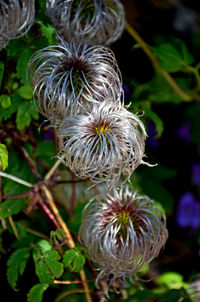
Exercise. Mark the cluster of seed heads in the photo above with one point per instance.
(78, 87)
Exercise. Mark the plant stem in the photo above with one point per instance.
(16, 195)
(67, 293)
(16, 179)
(70, 282)
(70, 240)
(52, 170)
(47, 211)
(186, 97)
(36, 233)
(14, 227)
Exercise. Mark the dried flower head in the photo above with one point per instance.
(68, 78)
(16, 18)
(98, 21)
(194, 289)
(103, 144)
(123, 232)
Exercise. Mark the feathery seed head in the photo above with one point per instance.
(103, 144)
(69, 78)
(97, 21)
(16, 18)
(122, 231)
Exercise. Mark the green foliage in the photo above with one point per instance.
(69, 257)
(19, 168)
(2, 67)
(3, 157)
(36, 292)
(171, 280)
(23, 61)
(74, 259)
(5, 101)
(173, 57)
(47, 262)
(16, 265)
(49, 32)
(26, 92)
(25, 112)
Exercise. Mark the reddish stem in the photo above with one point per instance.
(48, 212)
(16, 195)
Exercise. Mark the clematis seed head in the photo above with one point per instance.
(122, 231)
(16, 18)
(103, 144)
(68, 78)
(97, 21)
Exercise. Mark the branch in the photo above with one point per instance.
(14, 227)
(16, 179)
(67, 293)
(47, 211)
(52, 170)
(70, 240)
(16, 195)
(186, 97)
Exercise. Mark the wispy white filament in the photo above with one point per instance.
(69, 77)
(16, 18)
(103, 145)
(122, 232)
(98, 21)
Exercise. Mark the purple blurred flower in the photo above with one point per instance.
(49, 134)
(184, 133)
(127, 90)
(195, 168)
(188, 214)
(152, 133)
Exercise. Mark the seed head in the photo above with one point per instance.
(122, 231)
(103, 145)
(98, 21)
(16, 18)
(68, 78)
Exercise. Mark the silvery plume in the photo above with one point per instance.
(103, 144)
(98, 21)
(16, 18)
(70, 77)
(122, 231)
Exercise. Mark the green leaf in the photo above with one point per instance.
(69, 257)
(17, 167)
(48, 31)
(47, 262)
(185, 54)
(46, 151)
(2, 67)
(171, 279)
(3, 157)
(26, 111)
(156, 119)
(41, 247)
(36, 292)
(15, 46)
(43, 273)
(5, 113)
(26, 92)
(16, 265)
(5, 101)
(170, 57)
(22, 64)
(51, 259)
(11, 207)
(78, 263)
